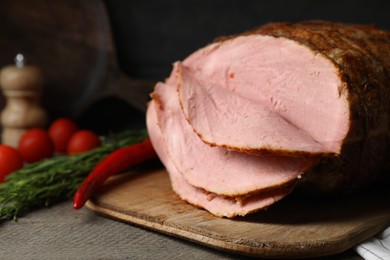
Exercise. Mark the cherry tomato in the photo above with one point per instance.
(36, 145)
(82, 141)
(10, 161)
(60, 131)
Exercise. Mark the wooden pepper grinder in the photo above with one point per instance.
(22, 88)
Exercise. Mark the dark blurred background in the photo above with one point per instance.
(87, 48)
(150, 35)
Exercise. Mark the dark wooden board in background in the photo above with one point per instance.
(71, 41)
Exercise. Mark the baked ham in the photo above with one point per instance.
(244, 120)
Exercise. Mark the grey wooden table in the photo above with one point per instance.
(63, 233)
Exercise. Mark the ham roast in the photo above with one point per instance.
(245, 120)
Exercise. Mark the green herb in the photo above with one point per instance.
(56, 179)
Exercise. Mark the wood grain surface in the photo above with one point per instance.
(296, 227)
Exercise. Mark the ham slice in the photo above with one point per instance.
(259, 93)
(221, 206)
(244, 120)
(224, 118)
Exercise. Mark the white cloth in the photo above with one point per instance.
(376, 248)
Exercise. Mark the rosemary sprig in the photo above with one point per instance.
(56, 179)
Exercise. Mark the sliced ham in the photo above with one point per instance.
(217, 169)
(240, 120)
(259, 93)
(221, 206)
(328, 80)
(222, 117)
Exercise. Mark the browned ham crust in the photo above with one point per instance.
(356, 58)
(362, 54)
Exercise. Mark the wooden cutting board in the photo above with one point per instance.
(295, 227)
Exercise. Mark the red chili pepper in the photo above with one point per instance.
(115, 162)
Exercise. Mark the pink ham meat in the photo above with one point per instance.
(217, 205)
(207, 167)
(246, 119)
(259, 93)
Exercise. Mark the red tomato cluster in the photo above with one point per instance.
(63, 136)
(60, 132)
